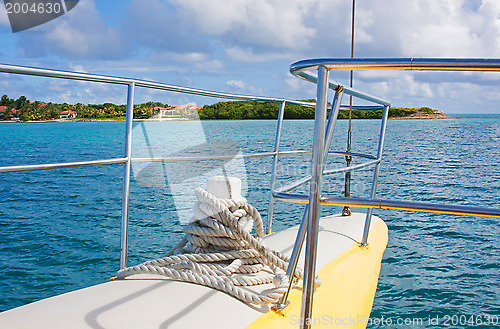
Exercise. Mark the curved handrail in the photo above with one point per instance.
(418, 64)
(300, 68)
(338, 86)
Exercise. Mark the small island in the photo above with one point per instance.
(420, 113)
(253, 110)
(23, 110)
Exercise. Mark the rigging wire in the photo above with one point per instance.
(347, 188)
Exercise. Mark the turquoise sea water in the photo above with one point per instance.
(59, 229)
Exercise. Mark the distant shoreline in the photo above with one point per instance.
(23, 110)
(64, 120)
(436, 115)
(242, 110)
(156, 120)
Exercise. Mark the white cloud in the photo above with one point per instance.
(293, 83)
(79, 34)
(238, 84)
(187, 57)
(159, 26)
(195, 60)
(77, 68)
(137, 65)
(239, 44)
(263, 30)
(213, 65)
(248, 55)
(432, 28)
(396, 87)
(411, 28)
(442, 29)
(84, 92)
(255, 23)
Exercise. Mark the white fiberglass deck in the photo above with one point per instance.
(156, 302)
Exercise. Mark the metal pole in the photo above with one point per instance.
(364, 240)
(395, 205)
(48, 166)
(383, 128)
(275, 167)
(347, 185)
(332, 120)
(126, 176)
(352, 32)
(314, 197)
(294, 258)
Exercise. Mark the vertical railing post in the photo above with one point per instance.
(332, 120)
(126, 176)
(314, 196)
(299, 240)
(281, 113)
(364, 240)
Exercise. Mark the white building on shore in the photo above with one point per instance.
(177, 112)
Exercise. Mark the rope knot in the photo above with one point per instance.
(219, 251)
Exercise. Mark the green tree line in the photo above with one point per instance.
(244, 110)
(25, 110)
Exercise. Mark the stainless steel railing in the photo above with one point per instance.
(127, 159)
(25, 70)
(323, 134)
(392, 64)
(314, 200)
(300, 69)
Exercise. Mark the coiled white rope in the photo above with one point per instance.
(219, 251)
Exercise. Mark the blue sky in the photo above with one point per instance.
(247, 46)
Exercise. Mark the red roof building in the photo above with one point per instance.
(68, 114)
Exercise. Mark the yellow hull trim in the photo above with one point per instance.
(345, 298)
